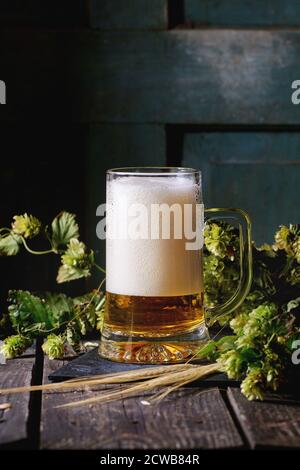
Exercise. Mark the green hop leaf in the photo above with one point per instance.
(15, 346)
(10, 245)
(26, 225)
(73, 338)
(67, 274)
(64, 228)
(29, 312)
(82, 326)
(100, 319)
(54, 346)
(90, 314)
(76, 262)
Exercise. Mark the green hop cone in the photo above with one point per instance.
(76, 262)
(259, 326)
(220, 240)
(54, 346)
(232, 363)
(251, 385)
(214, 267)
(215, 241)
(294, 276)
(15, 346)
(272, 368)
(283, 239)
(26, 225)
(237, 324)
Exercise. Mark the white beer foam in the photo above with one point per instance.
(150, 267)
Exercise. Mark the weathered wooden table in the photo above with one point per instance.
(191, 418)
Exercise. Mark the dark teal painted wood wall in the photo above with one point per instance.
(197, 83)
(242, 13)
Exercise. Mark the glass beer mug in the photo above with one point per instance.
(154, 265)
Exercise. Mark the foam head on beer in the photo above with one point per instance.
(144, 255)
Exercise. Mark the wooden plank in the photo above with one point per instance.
(128, 14)
(249, 170)
(246, 13)
(110, 146)
(34, 13)
(185, 420)
(14, 421)
(207, 76)
(267, 424)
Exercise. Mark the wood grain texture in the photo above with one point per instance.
(14, 421)
(206, 76)
(267, 424)
(254, 170)
(246, 13)
(110, 146)
(128, 14)
(185, 420)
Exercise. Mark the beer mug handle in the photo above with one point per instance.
(243, 288)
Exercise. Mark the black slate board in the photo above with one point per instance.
(92, 364)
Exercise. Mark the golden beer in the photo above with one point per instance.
(154, 287)
(153, 317)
